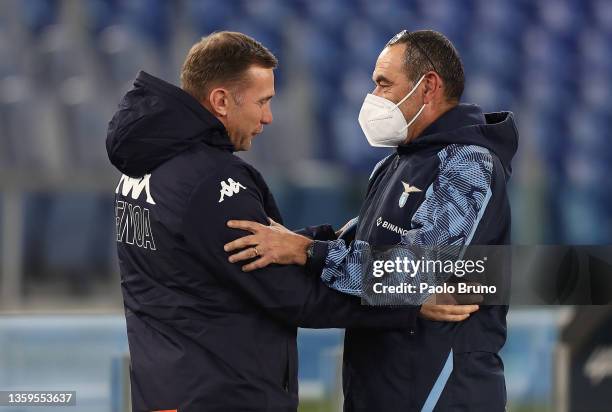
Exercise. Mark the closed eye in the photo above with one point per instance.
(265, 100)
(381, 81)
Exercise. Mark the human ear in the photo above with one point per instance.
(219, 99)
(432, 82)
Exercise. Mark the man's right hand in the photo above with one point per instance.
(269, 244)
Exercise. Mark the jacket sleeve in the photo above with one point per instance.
(453, 206)
(321, 232)
(287, 293)
(322, 235)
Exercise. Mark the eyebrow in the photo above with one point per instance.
(380, 79)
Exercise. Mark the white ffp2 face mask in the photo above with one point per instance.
(382, 121)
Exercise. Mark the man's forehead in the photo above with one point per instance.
(260, 78)
(259, 75)
(390, 61)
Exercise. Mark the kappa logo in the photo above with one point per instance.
(229, 189)
(135, 186)
(407, 190)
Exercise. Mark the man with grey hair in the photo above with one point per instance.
(444, 186)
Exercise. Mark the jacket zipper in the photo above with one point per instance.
(379, 200)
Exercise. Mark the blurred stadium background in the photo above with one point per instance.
(64, 64)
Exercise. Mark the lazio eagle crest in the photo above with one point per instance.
(407, 190)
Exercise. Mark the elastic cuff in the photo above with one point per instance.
(321, 232)
(316, 263)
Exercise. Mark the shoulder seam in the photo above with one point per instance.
(378, 166)
(471, 149)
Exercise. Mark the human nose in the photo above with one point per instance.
(267, 117)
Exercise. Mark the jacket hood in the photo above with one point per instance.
(156, 121)
(467, 124)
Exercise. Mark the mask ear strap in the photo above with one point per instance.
(411, 91)
(416, 116)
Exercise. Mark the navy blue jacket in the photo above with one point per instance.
(203, 335)
(447, 187)
(461, 163)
